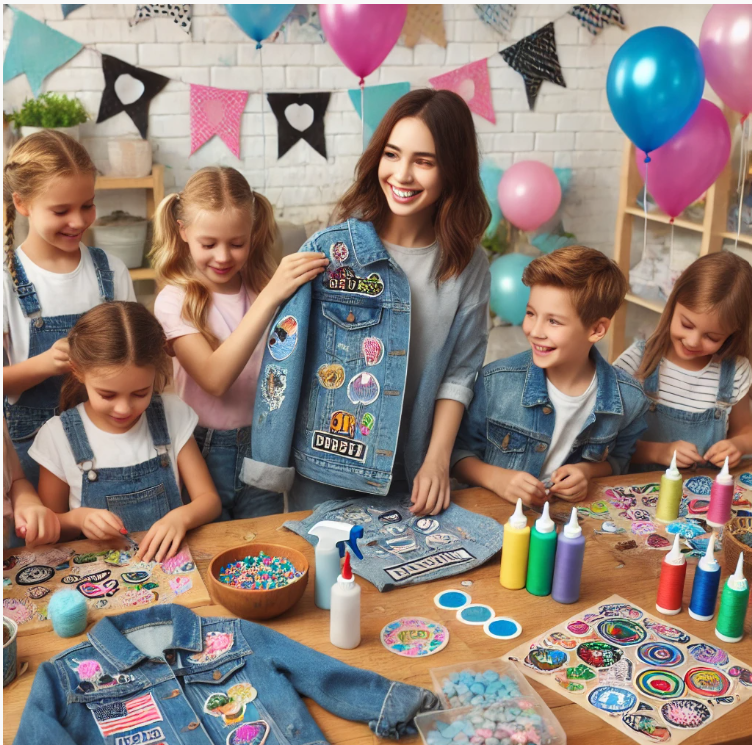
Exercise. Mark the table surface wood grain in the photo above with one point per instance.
(632, 574)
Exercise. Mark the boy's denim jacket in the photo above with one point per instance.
(322, 408)
(166, 675)
(511, 420)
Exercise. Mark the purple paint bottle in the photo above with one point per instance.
(570, 552)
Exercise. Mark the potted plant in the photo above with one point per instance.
(50, 111)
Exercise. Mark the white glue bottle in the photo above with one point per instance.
(344, 629)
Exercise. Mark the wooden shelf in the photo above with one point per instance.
(142, 272)
(743, 238)
(653, 305)
(661, 217)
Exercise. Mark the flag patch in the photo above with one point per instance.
(122, 716)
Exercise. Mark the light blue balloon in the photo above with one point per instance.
(654, 85)
(490, 175)
(509, 296)
(258, 21)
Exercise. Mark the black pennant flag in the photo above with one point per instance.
(291, 117)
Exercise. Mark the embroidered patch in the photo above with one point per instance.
(20, 611)
(746, 480)
(699, 485)
(34, 575)
(10, 563)
(135, 578)
(546, 661)
(52, 557)
(342, 423)
(647, 726)
(667, 633)
(152, 735)
(71, 579)
(7, 582)
(86, 669)
(181, 584)
(611, 699)
(686, 714)
(437, 540)
(230, 706)
(283, 339)
(137, 598)
(103, 681)
(37, 593)
(390, 517)
(104, 589)
(85, 558)
(344, 279)
(363, 388)
(216, 643)
(367, 423)
(253, 733)
(181, 563)
(274, 386)
(373, 350)
(426, 525)
(339, 253)
(707, 653)
(331, 377)
(117, 558)
(119, 716)
(325, 442)
(401, 572)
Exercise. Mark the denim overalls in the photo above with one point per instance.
(39, 403)
(140, 494)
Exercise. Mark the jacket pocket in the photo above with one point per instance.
(597, 452)
(351, 317)
(349, 325)
(139, 510)
(509, 446)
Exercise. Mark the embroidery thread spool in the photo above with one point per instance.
(514, 553)
(705, 585)
(670, 494)
(67, 610)
(734, 602)
(671, 582)
(540, 565)
(721, 497)
(570, 554)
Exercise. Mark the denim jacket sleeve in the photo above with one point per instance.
(471, 438)
(348, 692)
(635, 406)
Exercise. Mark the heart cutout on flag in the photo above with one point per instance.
(214, 110)
(128, 89)
(299, 116)
(466, 89)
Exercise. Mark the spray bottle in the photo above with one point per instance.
(570, 554)
(671, 582)
(344, 628)
(734, 602)
(670, 494)
(540, 565)
(721, 497)
(705, 585)
(515, 550)
(329, 550)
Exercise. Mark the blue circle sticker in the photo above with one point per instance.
(502, 628)
(475, 614)
(452, 599)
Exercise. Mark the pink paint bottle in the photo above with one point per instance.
(721, 497)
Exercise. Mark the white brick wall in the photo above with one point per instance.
(570, 127)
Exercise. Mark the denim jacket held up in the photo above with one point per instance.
(164, 675)
(511, 420)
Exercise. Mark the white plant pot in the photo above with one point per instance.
(70, 131)
(129, 158)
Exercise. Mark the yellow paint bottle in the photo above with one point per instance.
(514, 552)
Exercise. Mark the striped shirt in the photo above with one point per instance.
(690, 390)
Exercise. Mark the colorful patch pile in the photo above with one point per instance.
(262, 572)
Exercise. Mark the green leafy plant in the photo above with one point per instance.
(499, 242)
(50, 110)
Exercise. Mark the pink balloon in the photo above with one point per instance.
(683, 169)
(362, 35)
(726, 49)
(529, 194)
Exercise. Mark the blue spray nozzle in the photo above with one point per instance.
(352, 542)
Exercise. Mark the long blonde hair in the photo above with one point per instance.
(719, 283)
(32, 164)
(214, 188)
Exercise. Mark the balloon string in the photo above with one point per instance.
(743, 164)
(263, 127)
(363, 114)
(670, 258)
(645, 210)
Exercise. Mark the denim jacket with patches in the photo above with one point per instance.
(511, 420)
(331, 385)
(165, 675)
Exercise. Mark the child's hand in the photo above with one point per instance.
(58, 357)
(524, 486)
(37, 525)
(293, 271)
(718, 452)
(99, 524)
(687, 455)
(431, 490)
(163, 539)
(570, 483)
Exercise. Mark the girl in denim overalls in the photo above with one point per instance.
(115, 458)
(695, 368)
(213, 251)
(51, 279)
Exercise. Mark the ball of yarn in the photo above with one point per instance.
(67, 610)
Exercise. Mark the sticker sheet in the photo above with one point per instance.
(103, 572)
(651, 680)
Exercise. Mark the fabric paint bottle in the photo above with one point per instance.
(670, 494)
(734, 602)
(570, 555)
(344, 627)
(515, 550)
(705, 585)
(721, 497)
(540, 565)
(671, 582)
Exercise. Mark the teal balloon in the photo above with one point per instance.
(490, 175)
(258, 22)
(509, 296)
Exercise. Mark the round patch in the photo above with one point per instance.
(544, 660)
(744, 675)
(611, 527)
(502, 628)
(668, 633)
(660, 654)
(660, 684)
(699, 485)
(707, 681)
(611, 699)
(412, 636)
(250, 733)
(426, 525)
(331, 376)
(437, 540)
(37, 593)
(622, 631)
(646, 725)
(656, 540)
(599, 654)
(363, 388)
(707, 653)
(746, 480)
(452, 599)
(34, 575)
(557, 639)
(578, 628)
(339, 253)
(686, 714)
(283, 339)
(475, 614)
(373, 350)
(135, 578)
(698, 506)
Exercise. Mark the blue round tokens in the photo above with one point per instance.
(475, 614)
(502, 628)
(452, 599)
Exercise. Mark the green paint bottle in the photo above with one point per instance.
(540, 565)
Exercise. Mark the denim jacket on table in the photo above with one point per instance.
(323, 430)
(511, 420)
(166, 675)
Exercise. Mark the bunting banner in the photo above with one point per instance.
(425, 20)
(305, 15)
(596, 17)
(36, 50)
(535, 58)
(300, 116)
(378, 99)
(121, 93)
(471, 82)
(68, 9)
(216, 111)
(180, 14)
(499, 17)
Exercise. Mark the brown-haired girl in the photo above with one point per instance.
(695, 368)
(51, 279)
(212, 248)
(116, 458)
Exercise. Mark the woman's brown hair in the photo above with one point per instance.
(112, 335)
(720, 283)
(461, 213)
(214, 189)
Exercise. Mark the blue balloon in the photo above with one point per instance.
(654, 85)
(490, 175)
(509, 296)
(258, 21)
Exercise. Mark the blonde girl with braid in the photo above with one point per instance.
(50, 280)
(212, 251)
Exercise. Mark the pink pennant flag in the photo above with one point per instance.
(471, 82)
(216, 111)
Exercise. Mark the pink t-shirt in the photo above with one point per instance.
(235, 408)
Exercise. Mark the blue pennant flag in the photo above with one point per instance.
(378, 99)
(68, 9)
(36, 50)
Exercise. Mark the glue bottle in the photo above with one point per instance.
(670, 494)
(344, 627)
(540, 565)
(330, 549)
(705, 585)
(570, 554)
(734, 602)
(721, 498)
(514, 551)
(671, 582)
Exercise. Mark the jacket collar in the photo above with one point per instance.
(108, 636)
(607, 399)
(366, 243)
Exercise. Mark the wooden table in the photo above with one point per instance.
(632, 574)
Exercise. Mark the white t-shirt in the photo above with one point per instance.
(690, 390)
(571, 413)
(52, 450)
(59, 295)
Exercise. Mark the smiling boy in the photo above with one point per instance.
(557, 415)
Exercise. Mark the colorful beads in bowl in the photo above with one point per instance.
(468, 688)
(262, 572)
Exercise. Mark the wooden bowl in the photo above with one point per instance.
(257, 605)
(732, 546)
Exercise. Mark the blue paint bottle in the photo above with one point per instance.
(705, 585)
